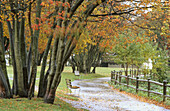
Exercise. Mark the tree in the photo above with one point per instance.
(13, 12)
(128, 49)
(160, 65)
(88, 52)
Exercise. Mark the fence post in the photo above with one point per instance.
(127, 81)
(120, 73)
(137, 84)
(112, 75)
(164, 89)
(116, 77)
(149, 86)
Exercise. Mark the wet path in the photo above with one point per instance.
(96, 95)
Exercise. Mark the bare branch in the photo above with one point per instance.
(119, 12)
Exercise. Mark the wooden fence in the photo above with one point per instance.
(135, 73)
(117, 76)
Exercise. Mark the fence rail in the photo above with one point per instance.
(116, 77)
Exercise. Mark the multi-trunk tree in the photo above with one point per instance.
(14, 14)
(88, 52)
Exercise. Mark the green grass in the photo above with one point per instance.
(36, 104)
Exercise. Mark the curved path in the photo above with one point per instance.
(96, 95)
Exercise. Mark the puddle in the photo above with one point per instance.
(96, 95)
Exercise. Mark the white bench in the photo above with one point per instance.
(76, 73)
(70, 86)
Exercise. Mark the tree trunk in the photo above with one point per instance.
(97, 61)
(40, 58)
(41, 82)
(6, 43)
(126, 71)
(34, 64)
(34, 52)
(11, 34)
(132, 70)
(53, 68)
(79, 59)
(5, 90)
(50, 95)
(29, 59)
(80, 68)
(72, 64)
(9, 59)
(57, 58)
(94, 70)
(46, 76)
(2, 89)
(23, 53)
(4, 84)
(19, 65)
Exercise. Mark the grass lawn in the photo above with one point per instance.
(36, 104)
(21, 104)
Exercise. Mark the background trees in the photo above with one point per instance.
(136, 49)
(89, 49)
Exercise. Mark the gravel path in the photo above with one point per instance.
(96, 95)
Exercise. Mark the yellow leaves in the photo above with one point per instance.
(99, 1)
(5, 32)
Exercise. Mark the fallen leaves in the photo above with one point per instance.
(143, 99)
